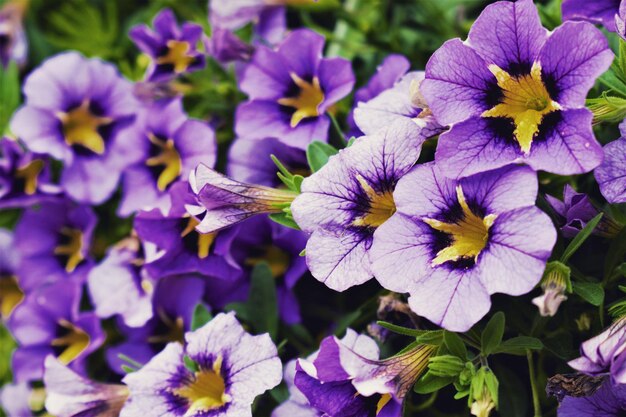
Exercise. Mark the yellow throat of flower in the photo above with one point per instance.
(207, 390)
(306, 102)
(29, 174)
(73, 248)
(168, 158)
(80, 127)
(177, 56)
(381, 206)
(469, 234)
(10, 295)
(526, 101)
(205, 240)
(75, 342)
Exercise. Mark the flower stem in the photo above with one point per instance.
(533, 384)
(339, 139)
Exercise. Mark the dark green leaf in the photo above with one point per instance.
(455, 344)
(399, 329)
(9, 94)
(518, 345)
(492, 335)
(285, 219)
(591, 292)
(262, 303)
(317, 154)
(431, 383)
(201, 316)
(580, 238)
(190, 364)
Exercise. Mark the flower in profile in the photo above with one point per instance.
(228, 202)
(290, 89)
(598, 11)
(343, 204)
(75, 111)
(53, 241)
(608, 401)
(172, 48)
(48, 322)
(611, 175)
(453, 243)
(219, 371)
(605, 354)
(69, 394)
(555, 281)
(172, 146)
(514, 93)
(10, 292)
(225, 47)
(25, 178)
(13, 42)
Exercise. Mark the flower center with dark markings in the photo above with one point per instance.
(80, 127)
(177, 56)
(70, 247)
(381, 206)
(306, 102)
(74, 341)
(206, 390)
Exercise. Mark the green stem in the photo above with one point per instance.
(340, 140)
(533, 384)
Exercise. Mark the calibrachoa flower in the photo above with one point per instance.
(225, 47)
(453, 243)
(231, 369)
(75, 111)
(53, 241)
(25, 178)
(554, 284)
(69, 394)
(296, 405)
(17, 399)
(597, 11)
(608, 401)
(48, 322)
(172, 146)
(605, 354)
(172, 49)
(515, 93)
(327, 380)
(10, 292)
(611, 175)
(290, 89)
(13, 42)
(343, 204)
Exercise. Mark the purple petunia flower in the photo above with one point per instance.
(13, 42)
(608, 401)
(172, 49)
(453, 243)
(25, 178)
(605, 353)
(76, 111)
(231, 369)
(48, 322)
(10, 292)
(290, 89)
(611, 175)
(597, 11)
(225, 47)
(172, 146)
(296, 405)
(53, 241)
(514, 93)
(69, 394)
(343, 203)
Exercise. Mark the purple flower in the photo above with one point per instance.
(231, 369)
(620, 21)
(608, 401)
(327, 383)
(290, 89)
(611, 175)
(10, 292)
(343, 203)
(13, 42)
(597, 11)
(225, 47)
(172, 49)
(268, 16)
(453, 243)
(16, 399)
(296, 405)
(514, 93)
(120, 285)
(48, 322)
(172, 146)
(76, 111)
(605, 354)
(53, 241)
(69, 395)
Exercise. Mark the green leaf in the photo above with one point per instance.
(285, 219)
(399, 329)
(591, 292)
(455, 344)
(612, 81)
(430, 383)
(430, 337)
(190, 364)
(317, 154)
(580, 238)
(9, 94)
(201, 316)
(518, 345)
(492, 335)
(445, 365)
(262, 302)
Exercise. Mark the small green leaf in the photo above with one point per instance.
(262, 302)
(430, 383)
(455, 344)
(492, 335)
(190, 364)
(9, 94)
(445, 365)
(518, 345)
(589, 291)
(399, 329)
(430, 337)
(128, 369)
(284, 219)
(580, 238)
(318, 153)
(201, 316)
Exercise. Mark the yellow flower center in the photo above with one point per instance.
(277, 260)
(469, 234)
(10, 295)
(168, 158)
(75, 342)
(206, 391)
(205, 240)
(71, 248)
(526, 101)
(177, 56)
(80, 127)
(29, 173)
(381, 206)
(308, 100)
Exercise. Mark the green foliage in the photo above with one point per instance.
(492, 335)
(591, 292)
(201, 316)
(518, 345)
(9, 94)
(317, 154)
(580, 238)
